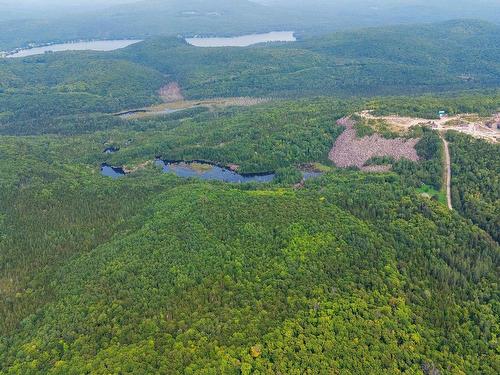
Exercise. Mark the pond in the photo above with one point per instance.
(111, 150)
(98, 45)
(208, 171)
(205, 171)
(244, 40)
(310, 175)
(113, 172)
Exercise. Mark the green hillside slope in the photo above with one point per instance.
(387, 61)
(271, 280)
(347, 272)
(156, 274)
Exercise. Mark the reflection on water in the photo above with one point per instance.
(113, 172)
(207, 171)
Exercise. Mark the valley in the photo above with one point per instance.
(328, 205)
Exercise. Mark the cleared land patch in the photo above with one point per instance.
(487, 128)
(351, 151)
(171, 92)
(180, 105)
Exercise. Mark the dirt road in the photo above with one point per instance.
(447, 161)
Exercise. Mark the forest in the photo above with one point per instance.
(240, 278)
(67, 20)
(423, 59)
(345, 273)
(476, 169)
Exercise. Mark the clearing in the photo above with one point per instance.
(351, 151)
(171, 92)
(174, 101)
(487, 128)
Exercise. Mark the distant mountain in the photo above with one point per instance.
(221, 17)
(148, 18)
(428, 58)
(35, 9)
(356, 13)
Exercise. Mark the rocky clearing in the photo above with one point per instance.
(479, 127)
(351, 151)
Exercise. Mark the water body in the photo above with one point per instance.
(99, 45)
(111, 150)
(113, 172)
(207, 171)
(134, 113)
(243, 41)
(309, 175)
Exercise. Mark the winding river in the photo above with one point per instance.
(204, 171)
(208, 171)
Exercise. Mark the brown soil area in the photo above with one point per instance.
(479, 127)
(350, 151)
(171, 92)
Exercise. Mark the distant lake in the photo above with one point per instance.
(243, 41)
(99, 45)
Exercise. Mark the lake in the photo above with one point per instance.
(98, 45)
(244, 40)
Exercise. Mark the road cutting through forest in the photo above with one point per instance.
(486, 128)
(447, 161)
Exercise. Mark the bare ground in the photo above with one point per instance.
(447, 161)
(350, 151)
(487, 128)
(171, 92)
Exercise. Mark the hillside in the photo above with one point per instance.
(148, 18)
(370, 62)
(380, 61)
(167, 209)
(156, 273)
(21, 25)
(188, 276)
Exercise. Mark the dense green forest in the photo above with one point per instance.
(155, 274)
(476, 181)
(383, 61)
(366, 63)
(51, 22)
(345, 273)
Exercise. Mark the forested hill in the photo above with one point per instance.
(152, 274)
(146, 18)
(451, 56)
(150, 18)
(391, 60)
(169, 209)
